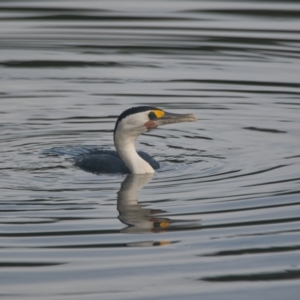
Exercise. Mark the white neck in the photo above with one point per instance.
(125, 146)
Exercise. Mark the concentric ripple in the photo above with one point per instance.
(224, 206)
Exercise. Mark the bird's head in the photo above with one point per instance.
(136, 120)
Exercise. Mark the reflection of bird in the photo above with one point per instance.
(130, 124)
(138, 217)
(131, 212)
(135, 215)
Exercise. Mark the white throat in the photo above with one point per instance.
(125, 145)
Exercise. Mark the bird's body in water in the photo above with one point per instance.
(130, 124)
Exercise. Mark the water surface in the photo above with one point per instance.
(220, 219)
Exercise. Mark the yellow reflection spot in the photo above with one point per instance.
(159, 113)
(164, 224)
(163, 243)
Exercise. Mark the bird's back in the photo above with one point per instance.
(108, 161)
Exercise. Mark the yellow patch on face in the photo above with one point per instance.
(158, 113)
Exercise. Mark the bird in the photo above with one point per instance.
(129, 126)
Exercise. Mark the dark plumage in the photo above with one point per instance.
(108, 161)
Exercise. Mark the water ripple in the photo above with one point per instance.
(223, 208)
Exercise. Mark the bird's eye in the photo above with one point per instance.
(152, 115)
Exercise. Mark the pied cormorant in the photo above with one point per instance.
(130, 124)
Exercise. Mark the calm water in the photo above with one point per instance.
(220, 220)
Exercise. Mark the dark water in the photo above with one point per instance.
(220, 220)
